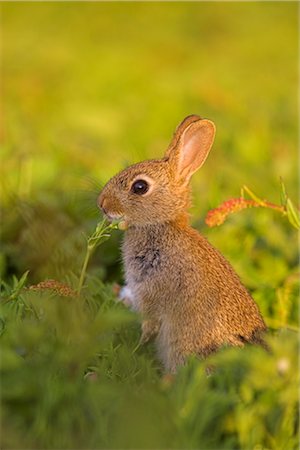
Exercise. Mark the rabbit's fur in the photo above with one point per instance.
(190, 297)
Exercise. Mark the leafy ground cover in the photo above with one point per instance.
(87, 89)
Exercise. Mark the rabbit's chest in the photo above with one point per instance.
(150, 271)
(144, 264)
(141, 269)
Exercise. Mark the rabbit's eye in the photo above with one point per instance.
(140, 187)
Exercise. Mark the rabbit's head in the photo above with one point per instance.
(157, 191)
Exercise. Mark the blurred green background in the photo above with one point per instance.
(88, 88)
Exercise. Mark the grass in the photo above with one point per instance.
(88, 89)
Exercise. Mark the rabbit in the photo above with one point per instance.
(190, 298)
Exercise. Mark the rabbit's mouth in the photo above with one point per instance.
(118, 219)
(113, 216)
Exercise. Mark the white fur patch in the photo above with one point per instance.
(125, 293)
(127, 297)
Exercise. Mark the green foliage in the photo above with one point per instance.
(71, 379)
(88, 88)
(101, 234)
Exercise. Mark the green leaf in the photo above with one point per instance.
(283, 194)
(292, 214)
(18, 285)
(252, 195)
(2, 326)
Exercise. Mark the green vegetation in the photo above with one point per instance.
(87, 89)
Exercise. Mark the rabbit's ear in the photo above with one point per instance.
(190, 146)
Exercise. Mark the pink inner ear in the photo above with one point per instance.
(196, 144)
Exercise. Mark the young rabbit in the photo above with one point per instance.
(189, 296)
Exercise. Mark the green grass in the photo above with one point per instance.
(87, 89)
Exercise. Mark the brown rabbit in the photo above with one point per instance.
(188, 294)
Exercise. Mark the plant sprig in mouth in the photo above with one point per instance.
(121, 223)
(118, 220)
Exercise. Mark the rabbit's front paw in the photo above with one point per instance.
(149, 329)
